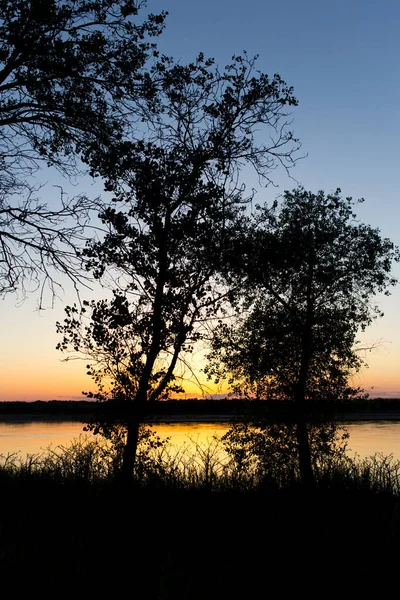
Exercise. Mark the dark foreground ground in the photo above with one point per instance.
(116, 542)
(79, 540)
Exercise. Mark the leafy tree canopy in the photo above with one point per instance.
(70, 73)
(309, 271)
(176, 198)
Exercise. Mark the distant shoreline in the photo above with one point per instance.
(182, 418)
(200, 410)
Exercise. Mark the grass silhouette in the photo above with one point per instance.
(191, 525)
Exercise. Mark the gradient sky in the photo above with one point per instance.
(342, 58)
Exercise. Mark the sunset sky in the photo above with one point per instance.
(342, 58)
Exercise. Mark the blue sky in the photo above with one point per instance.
(342, 59)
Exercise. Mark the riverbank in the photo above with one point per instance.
(200, 410)
(184, 418)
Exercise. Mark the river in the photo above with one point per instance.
(366, 437)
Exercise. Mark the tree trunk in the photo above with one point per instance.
(130, 450)
(305, 464)
(140, 400)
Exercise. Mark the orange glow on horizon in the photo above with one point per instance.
(46, 378)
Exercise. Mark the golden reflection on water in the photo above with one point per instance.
(36, 437)
(366, 438)
(181, 433)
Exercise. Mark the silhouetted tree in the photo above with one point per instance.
(177, 198)
(309, 271)
(72, 75)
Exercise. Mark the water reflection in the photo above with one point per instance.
(366, 438)
(374, 436)
(35, 437)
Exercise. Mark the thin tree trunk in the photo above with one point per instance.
(135, 419)
(130, 449)
(305, 463)
(140, 400)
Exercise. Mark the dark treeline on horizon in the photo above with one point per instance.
(217, 407)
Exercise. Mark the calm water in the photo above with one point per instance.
(366, 438)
